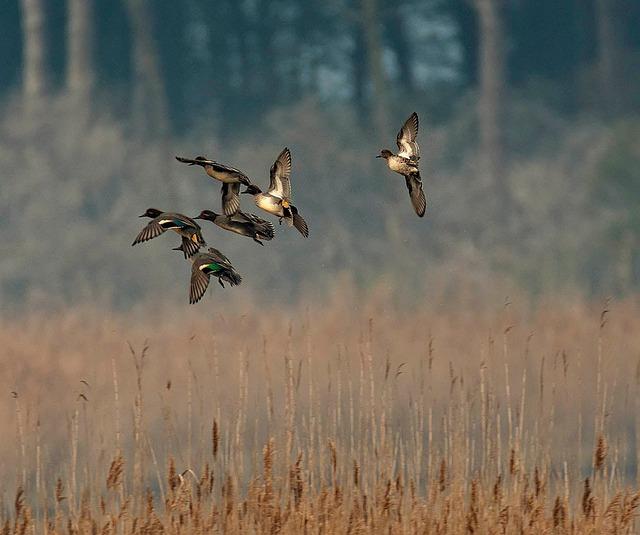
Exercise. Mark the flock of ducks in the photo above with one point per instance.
(275, 201)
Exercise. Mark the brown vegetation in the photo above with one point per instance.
(344, 418)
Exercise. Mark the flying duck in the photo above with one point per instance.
(244, 224)
(230, 177)
(206, 264)
(190, 231)
(406, 162)
(277, 200)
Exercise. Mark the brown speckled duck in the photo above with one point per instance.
(406, 162)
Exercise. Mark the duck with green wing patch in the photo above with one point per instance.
(205, 265)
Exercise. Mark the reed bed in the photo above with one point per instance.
(347, 416)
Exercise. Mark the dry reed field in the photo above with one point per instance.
(350, 416)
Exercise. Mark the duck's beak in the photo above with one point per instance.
(143, 215)
(379, 156)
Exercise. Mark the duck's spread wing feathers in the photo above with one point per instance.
(416, 193)
(199, 283)
(280, 185)
(152, 230)
(406, 138)
(230, 198)
(190, 247)
(299, 222)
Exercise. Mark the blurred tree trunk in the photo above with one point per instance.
(373, 43)
(609, 53)
(402, 48)
(492, 94)
(149, 106)
(149, 113)
(80, 68)
(263, 26)
(35, 78)
(359, 71)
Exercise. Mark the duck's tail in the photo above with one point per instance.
(265, 230)
(189, 247)
(231, 276)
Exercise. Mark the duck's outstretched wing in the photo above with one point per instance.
(280, 184)
(152, 230)
(416, 193)
(199, 282)
(230, 198)
(299, 222)
(406, 138)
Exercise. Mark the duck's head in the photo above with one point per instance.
(252, 189)
(152, 213)
(209, 215)
(385, 153)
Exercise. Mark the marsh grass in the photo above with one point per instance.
(355, 416)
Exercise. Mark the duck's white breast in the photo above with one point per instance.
(269, 204)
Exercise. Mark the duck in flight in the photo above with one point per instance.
(230, 177)
(186, 227)
(203, 266)
(277, 200)
(406, 162)
(248, 225)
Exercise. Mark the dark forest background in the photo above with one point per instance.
(530, 128)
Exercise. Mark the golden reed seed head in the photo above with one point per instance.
(442, 476)
(559, 514)
(587, 499)
(114, 477)
(60, 490)
(356, 474)
(600, 453)
(215, 439)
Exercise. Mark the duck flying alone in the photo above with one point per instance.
(244, 224)
(186, 227)
(230, 177)
(277, 200)
(406, 162)
(203, 266)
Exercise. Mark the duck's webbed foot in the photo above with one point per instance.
(258, 241)
(220, 282)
